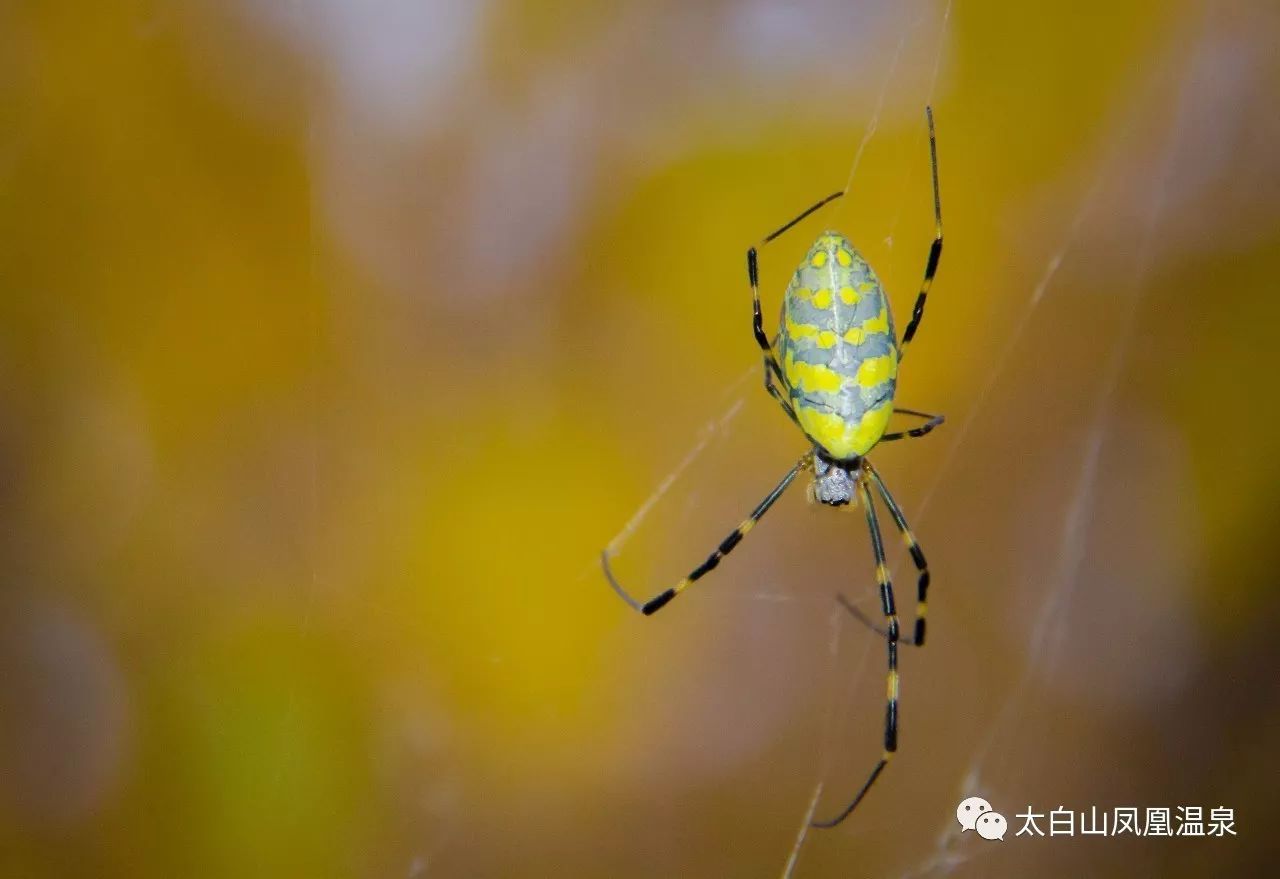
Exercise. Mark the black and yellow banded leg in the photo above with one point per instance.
(935, 249)
(866, 620)
(753, 273)
(931, 422)
(917, 557)
(726, 546)
(772, 371)
(913, 547)
(891, 641)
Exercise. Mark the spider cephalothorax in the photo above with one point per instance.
(834, 482)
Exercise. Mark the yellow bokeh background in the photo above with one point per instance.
(337, 339)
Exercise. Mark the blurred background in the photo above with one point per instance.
(337, 338)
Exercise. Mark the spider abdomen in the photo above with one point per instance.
(838, 349)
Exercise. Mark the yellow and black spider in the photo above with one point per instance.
(835, 360)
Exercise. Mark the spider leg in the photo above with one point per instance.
(726, 546)
(935, 249)
(891, 641)
(913, 547)
(861, 617)
(772, 371)
(917, 557)
(757, 317)
(932, 422)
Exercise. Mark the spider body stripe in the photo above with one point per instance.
(838, 349)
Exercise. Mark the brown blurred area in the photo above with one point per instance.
(337, 338)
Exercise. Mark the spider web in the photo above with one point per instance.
(1050, 628)
(1158, 111)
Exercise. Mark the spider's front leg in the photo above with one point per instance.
(659, 601)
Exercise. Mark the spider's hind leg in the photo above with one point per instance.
(917, 557)
(891, 644)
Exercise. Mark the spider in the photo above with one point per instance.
(833, 368)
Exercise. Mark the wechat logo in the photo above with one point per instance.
(975, 813)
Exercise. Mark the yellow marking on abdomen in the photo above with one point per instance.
(893, 685)
(828, 430)
(821, 299)
(872, 326)
(870, 428)
(811, 376)
(840, 438)
(875, 371)
(823, 338)
(800, 331)
(877, 324)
